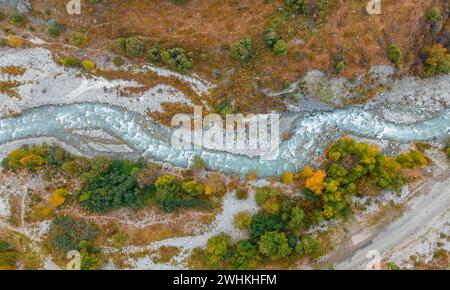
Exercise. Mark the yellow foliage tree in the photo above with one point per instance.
(57, 198)
(32, 161)
(251, 176)
(287, 178)
(315, 182)
(307, 172)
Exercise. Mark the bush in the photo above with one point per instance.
(134, 47)
(78, 39)
(298, 6)
(438, 60)
(271, 37)
(198, 163)
(340, 66)
(280, 48)
(54, 31)
(263, 222)
(88, 65)
(17, 19)
(242, 50)
(174, 57)
(117, 61)
(308, 246)
(70, 61)
(243, 220)
(168, 192)
(8, 256)
(67, 233)
(242, 193)
(434, 15)
(193, 188)
(287, 177)
(274, 245)
(217, 249)
(394, 53)
(15, 41)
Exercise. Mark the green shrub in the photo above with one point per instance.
(394, 53)
(434, 15)
(67, 234)
(70, 61)
(308, 246)
(78, 39)
(134, 47)
(243, 220)
(54, 31)
(340, 66)
(271, 37)
(242, 50)
(244, 256)
(17, 19)
(3, 41)
(180, 2)
(117, 61)
(8, 256)
(280, 48)
(298, 6)
(173, 57)
(122, 43)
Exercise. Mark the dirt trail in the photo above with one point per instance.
(435, 202)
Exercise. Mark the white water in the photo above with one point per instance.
(141, 135)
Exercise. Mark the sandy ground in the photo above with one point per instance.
(428, 212)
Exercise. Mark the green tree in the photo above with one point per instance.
(280, 48)
(217, 248)
(243, 50)
(394, 53)
(438, 60)
(244, 256)
(274, 245)
(434, 15)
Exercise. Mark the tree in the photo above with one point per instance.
(198, 163)
(193, 188)
(243, 50)
(217, 249)
(438, 60)
(274, 245)
(298, 6)
(287, 178)
(263, 222)
(244, 256)
(88, 65)
(133, 46)
(168, 192)
(58, 197)
(67, 233)
(297, 219)
(315, 182)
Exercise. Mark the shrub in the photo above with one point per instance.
(287, 177)
(280, 48)
(8, 256)
(308, 246)
(54, 31)
(243, 220)
(180, 2)
(15, 41)
(117, 61)
(177, 58)
(193, 188)
(17, 19)
(217, 249)
(58, 198)
(2, 16)
(168, 192)
(394, 53)
(434, 15)
(242, 50)
(274, 245)
(438, 60)
(340, 66)
(78, 39)
(271, 37)
(67, 233)
(242, 193)
(134, 47)
(3, 41)
(122, 43)
(70, 61)
(298, 6)
(263, 222)
(88, 65)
